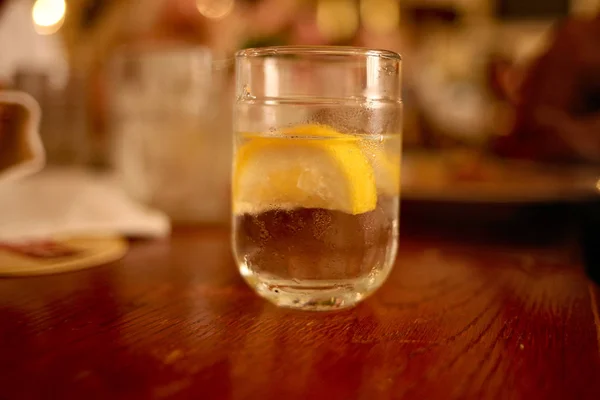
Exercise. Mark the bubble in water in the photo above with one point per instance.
(321, 222)
(245, 94)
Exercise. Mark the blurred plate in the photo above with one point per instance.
(46, 257)
(469, 177)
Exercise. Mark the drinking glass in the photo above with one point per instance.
(171, 129)
(316, 172)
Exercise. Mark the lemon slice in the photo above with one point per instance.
(309, 166)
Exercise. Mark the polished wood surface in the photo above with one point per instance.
(456, 319)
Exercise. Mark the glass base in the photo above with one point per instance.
(311, 296)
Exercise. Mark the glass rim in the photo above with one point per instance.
(317, 50)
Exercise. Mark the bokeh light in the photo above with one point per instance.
(48, 15)
(337, 19)
(215, 9)
(380, 16)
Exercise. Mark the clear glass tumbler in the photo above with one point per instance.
(316, 172)
(171, 115)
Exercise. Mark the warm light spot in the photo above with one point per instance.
(380, 16)
(337, 19)
(48, 15)
(215, 9)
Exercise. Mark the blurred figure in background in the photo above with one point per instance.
(557, 103)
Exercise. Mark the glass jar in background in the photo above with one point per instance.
(316, 178)
(64, 126)
(171, 133)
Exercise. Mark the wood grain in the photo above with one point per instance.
(174, 320)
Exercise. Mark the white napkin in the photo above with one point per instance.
(67, 202)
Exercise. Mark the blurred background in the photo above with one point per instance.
(93, 67)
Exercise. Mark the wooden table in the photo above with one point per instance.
(174, 320)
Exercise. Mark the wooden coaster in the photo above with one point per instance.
(61, 255)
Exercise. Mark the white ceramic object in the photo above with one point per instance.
(31, 157)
